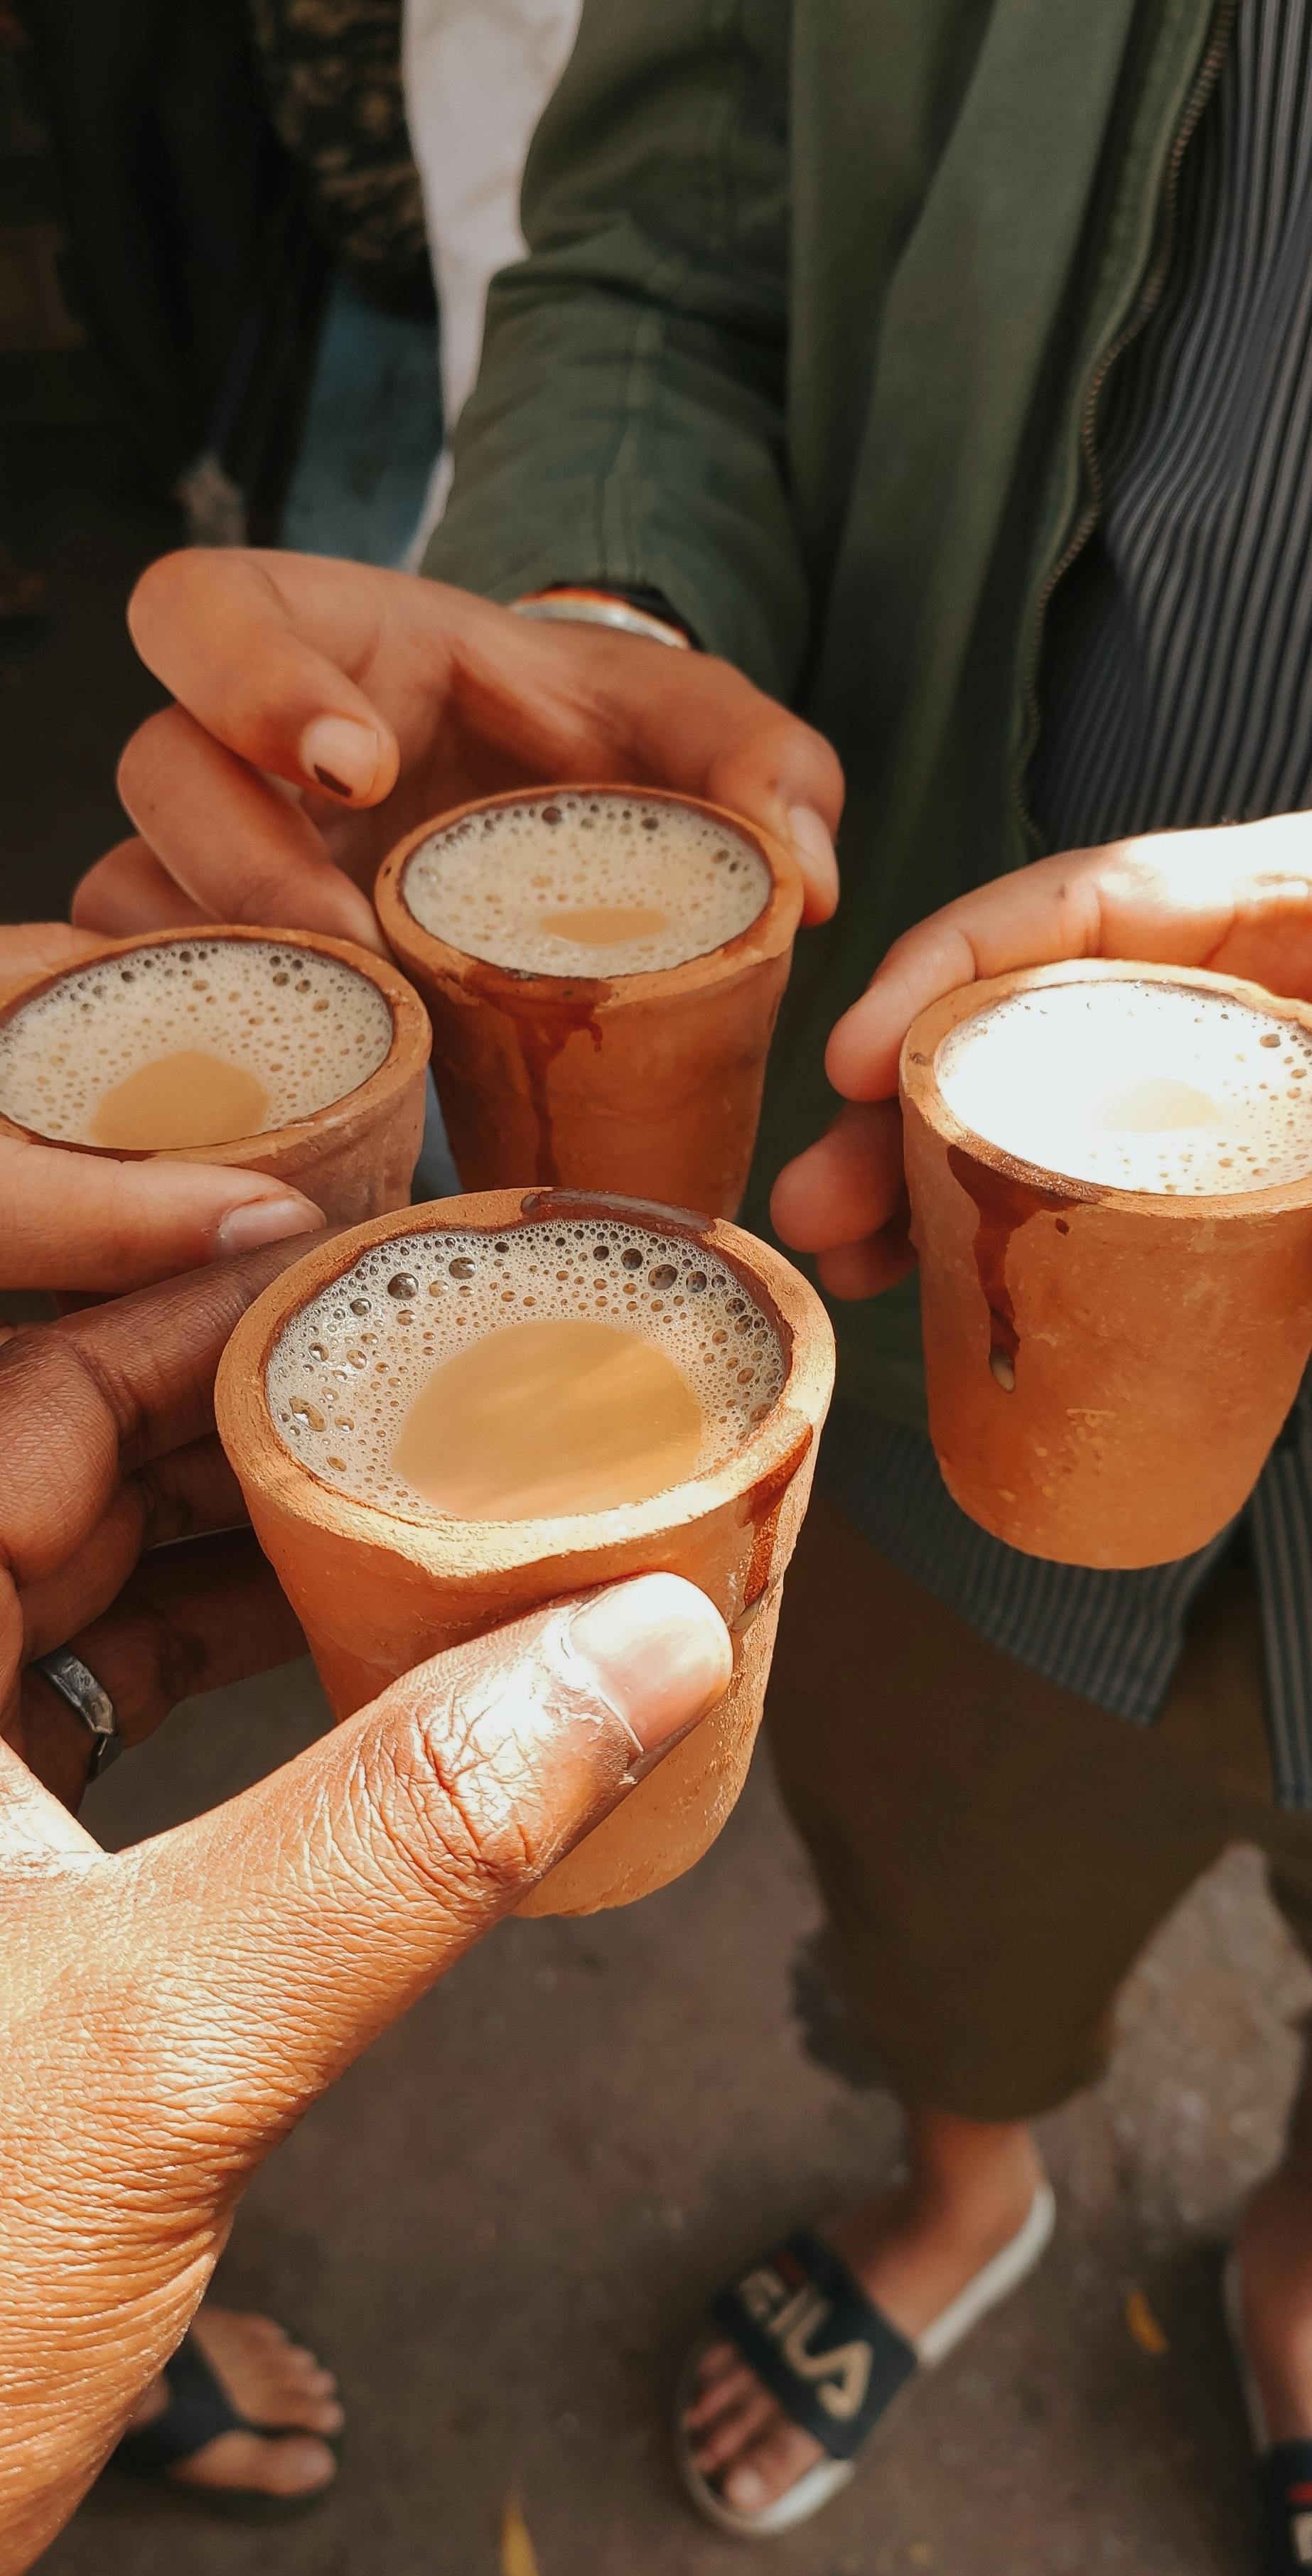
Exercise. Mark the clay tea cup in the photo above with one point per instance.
(1110, 1171)
(283, 1052)
(603, 967)
(327, 1376)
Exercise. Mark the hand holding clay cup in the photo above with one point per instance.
(380, 698)
(1216, 1376)
(87, 1222)
(170, 2011)
(1110, 1167)
(1237, 901)
(295, 1057)
(603, 967)
(444, 1420)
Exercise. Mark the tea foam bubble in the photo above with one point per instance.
(308, 1027)
(1156, 1087)
(488, 884)
(346, 1370)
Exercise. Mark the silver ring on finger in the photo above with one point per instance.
(79, 1689)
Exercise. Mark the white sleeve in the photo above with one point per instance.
(478, 74)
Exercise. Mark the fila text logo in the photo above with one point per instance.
(840, 2376)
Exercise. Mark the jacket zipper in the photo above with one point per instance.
(1149, 297)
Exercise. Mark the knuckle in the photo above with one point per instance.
(160, 585)
(174, 586)
(473, 1840)
(141, 758)
(268, 892)
(170, 1659)
(166, 1508)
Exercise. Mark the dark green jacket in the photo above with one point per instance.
(818, 302)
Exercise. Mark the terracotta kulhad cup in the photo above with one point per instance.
(377, 1594)
(643, 1084)
(355, 1156)
(1107, 1368)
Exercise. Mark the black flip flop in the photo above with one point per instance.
(199, 2409)
(1283, 2469)
(834, 2361)
(1285, 2475)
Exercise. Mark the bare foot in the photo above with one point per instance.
(914, 2249)
(274, 2381)
(1273, 2250)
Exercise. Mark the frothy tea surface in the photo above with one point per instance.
(539, 1419)
(478, 1376)
(190, 1044)
(1138, 1086)
(587, 885)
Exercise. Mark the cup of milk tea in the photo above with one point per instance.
(1110, 1171)
(603, 966)
(447, 1418)
(283, 1052)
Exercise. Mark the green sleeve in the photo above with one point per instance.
(628, 422)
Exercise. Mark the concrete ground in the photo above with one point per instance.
(502, 2225)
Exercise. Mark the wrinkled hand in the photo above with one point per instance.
(1238, 900)
(382, 699)
(85, 1221)
(169, 2012)
(111, 1458)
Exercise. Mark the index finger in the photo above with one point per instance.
(86, 1400)
(263, 649)
(1036, 917)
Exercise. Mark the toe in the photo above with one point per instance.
(300, 2408)
(293, 2465)
(720, 2446)
(715, 2398)
(320, 2382)
(769, 2467)
(329, 2417)
(713, 2361)
(281, 2388)
(299, 2466)
(264, 2333)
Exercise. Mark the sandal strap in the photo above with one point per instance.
(1286, 2473)
(804, 2324)
(199, 2409)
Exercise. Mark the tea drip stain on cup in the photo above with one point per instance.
(574, 893)
(544, 1025)
(1002, 1203)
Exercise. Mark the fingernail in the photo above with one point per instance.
(813, 849)
(658, 1651)
(341, 754)
(746, 2488)
(259, 1221)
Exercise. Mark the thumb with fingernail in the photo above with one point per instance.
(182, 2004)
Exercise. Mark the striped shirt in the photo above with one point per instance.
(1176, 688)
